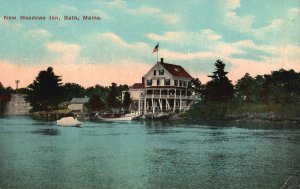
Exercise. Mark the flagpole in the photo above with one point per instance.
(156, 50)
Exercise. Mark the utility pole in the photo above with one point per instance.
(17, 85)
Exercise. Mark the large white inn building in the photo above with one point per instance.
(164, 88)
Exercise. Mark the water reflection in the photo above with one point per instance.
(47, 131)
(146, 155)
(171, 168)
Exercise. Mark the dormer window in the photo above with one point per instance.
(154, 72)
(161, 72)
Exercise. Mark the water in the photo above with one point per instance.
(37, 154)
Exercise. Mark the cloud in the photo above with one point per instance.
(204, 36)
(115, 4)
(85, 74)
(121, 5)
(245, 24)
(38, 33)
(100, 13)
(68, 52)
(156, 12)
(123, 44)
(206, 44)
(10, 25)
(233, 4)
(211, 34)
(294, 14)
(63, 10)
(168, 36)
(186, 56)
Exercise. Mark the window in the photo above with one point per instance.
(149, 82)
(161, 72)
(154, 72)
(167, 82)
(175, 82)
(180, 83)
(184, 83)
(158, 82)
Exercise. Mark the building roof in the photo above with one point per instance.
(80, 100)
(176, 70)
(138, 86)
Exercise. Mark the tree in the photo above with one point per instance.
(112, 99)
(220, 87)
(45, 93)
(96, 103)
(246, 88)
(196, 86)
(127, 100)
(283, 86)
(97, 89)
(72, 90)
(5, 91)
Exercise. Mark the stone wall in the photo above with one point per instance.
(17, 106)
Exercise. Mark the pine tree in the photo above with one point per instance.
(45, 93)
(220, 87)
(96, 103)
(112, 100)
(127, 100)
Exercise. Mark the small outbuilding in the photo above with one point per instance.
(77, 104)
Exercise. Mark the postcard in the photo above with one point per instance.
(149, 94)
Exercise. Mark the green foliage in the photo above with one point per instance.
(220, 87)
(280, 87)
(96, 103)
(114, 95)
(277, 93)
(127, 100)
(196, 86)
(45, 93)
(209, 110)
(23, 91)
(5, 91)
(73, 90)
(249, 89)
(97, 89)
(112, 100)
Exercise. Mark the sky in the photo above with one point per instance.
(251, 36)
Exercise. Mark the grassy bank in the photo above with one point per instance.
(244, 112)
(50, 115)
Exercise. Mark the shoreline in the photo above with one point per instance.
(197, 115)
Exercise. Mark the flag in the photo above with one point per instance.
(155, 48)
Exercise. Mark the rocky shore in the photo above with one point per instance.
(260, 117)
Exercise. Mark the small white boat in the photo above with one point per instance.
(116, 117)
(68, 122)
(125, 118)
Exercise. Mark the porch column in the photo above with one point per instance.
(180, 100)
(145, 103)
(152, 104)
(139, 106)
(167, 104)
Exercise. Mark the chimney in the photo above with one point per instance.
(162, 60)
